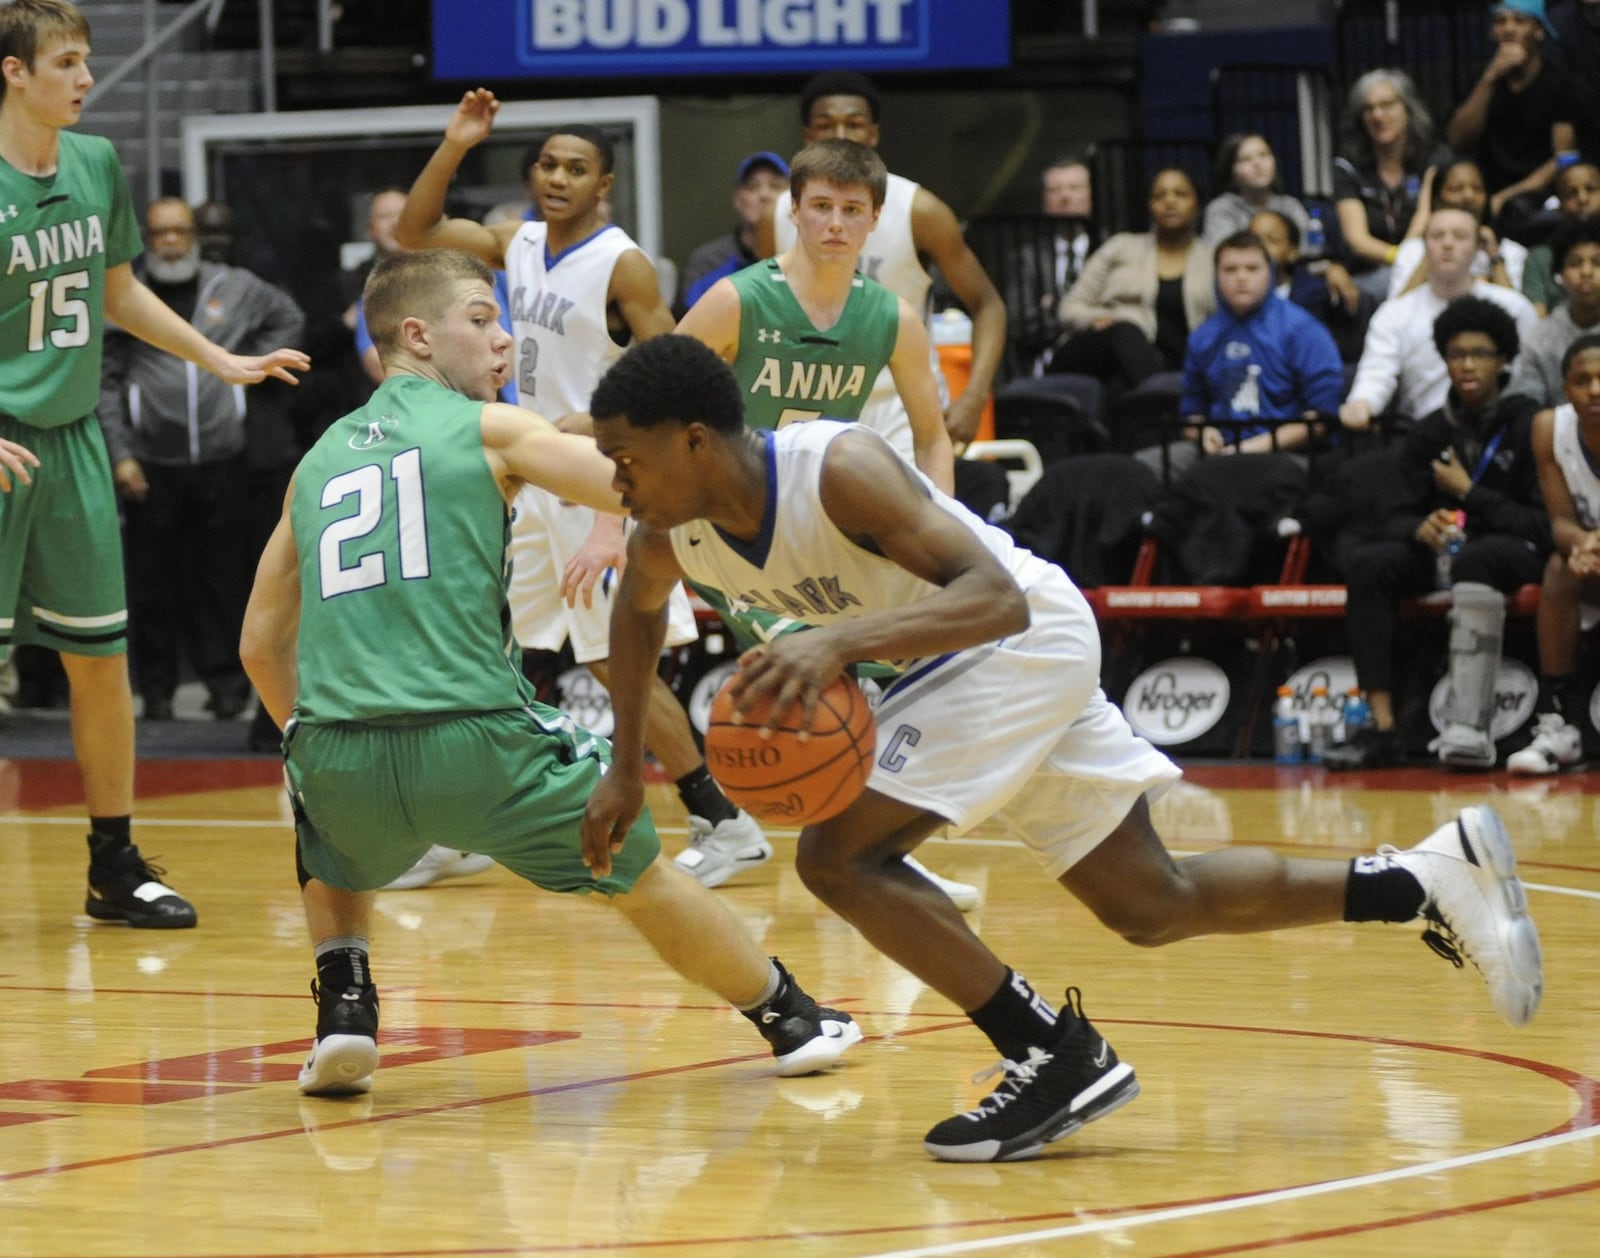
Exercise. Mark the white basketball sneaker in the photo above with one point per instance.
(437, 864)
(718, 852)
(965, 896)
(1555, 745)
(1477, 909)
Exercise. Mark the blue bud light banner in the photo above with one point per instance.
(500, 39)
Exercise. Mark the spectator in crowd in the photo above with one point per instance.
(1517, 117)
(215, 232)
(1386, 149)
(761, 180)
(1472, 455)
(1258, 359)
(1343, 309)
(1400, 362)
(383, 215)
(177, 439)
(1041, 273)
(1578, 194)
(1247, 174)
(1566, 446)
(1576, 49)
(1129, 315)
(1500, 261)
(1539, 373)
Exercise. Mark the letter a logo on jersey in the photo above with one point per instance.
(374, 433)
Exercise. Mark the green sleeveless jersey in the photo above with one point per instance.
(788, 370)
(61, 233)
(401, 531)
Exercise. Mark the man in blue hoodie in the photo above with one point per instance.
(1257, 360)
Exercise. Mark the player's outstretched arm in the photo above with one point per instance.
(268, 645)
(422, 224)
(638, 630)
(135, 308)
(524, 448)
(714, 320)
(919, 391)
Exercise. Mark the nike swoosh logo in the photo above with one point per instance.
(1103, 1056)
(694, 541)
(769, 1017)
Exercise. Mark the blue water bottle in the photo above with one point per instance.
(1316, 234)
(1357, 713)
(1285, 728)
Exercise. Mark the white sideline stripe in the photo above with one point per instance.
(78, 622)
(1123, 1223)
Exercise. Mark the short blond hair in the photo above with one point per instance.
(404, 285)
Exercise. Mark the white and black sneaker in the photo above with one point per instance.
(1476, 908)
(124, 887)
(437, 864)
(1556, 745)
(345, 1052)
(805, 1037)
(718, 852)
(1042, 1099)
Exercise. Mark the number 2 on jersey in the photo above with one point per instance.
(366, 484)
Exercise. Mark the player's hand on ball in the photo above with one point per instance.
(791, 669)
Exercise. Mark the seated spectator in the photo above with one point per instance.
(1400, 362)
(1387, 148)
(1566, 446)
(1539, 373)
(1128, 316)
(1576, 49)
(1578, 194)
(1247, 173)
(1338, 305)
(1473, 455)
(762, 178)
(1046, 275)
(1517, 117)
(1460, 185)
(1258, 359)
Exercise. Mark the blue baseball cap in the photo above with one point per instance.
(1528, 8)
(763, 158)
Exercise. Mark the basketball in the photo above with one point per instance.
(783, 779)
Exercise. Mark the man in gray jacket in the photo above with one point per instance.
(177, 440)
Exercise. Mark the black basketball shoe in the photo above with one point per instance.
(804, 1036)
(124, 887)
(1042, 1099)
(345, 1052)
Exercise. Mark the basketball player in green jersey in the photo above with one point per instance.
(378, 635)
(69, 233)
(807, 335)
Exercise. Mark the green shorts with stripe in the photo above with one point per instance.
(61, 547)
(369, 798)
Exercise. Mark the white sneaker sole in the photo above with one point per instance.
(340, 1065)
(821, 1052)
(426, 872)
(1522, 983)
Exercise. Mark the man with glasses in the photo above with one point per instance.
(177, 439)
(1472, 488)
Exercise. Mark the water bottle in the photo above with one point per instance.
(1357, 713)
(1317, 725)
(1285, 728)
(1455, 539)
(1316, 234)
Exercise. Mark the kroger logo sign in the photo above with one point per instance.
(1176, 700)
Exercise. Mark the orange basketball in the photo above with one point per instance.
(782, 779)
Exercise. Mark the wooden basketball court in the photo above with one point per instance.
(548, 1087)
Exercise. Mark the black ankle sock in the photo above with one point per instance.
(1016, 1018)
(1556, 694)
(704, 798)
(342, 964)
(108, 836)
(1378, 890)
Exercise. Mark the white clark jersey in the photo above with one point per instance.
(558, 315)
(890, 257)
(1581, 480)
(800, 565)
